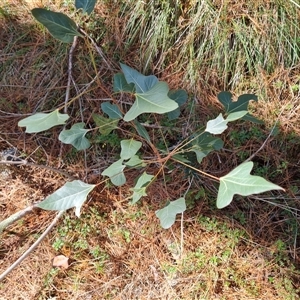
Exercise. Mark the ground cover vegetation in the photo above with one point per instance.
(202, 48)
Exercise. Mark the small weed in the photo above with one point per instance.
(111, 140)
(48, 281)
(279, 252)
(58, 244)
(126, 235)
(169, 269)
(239, 216)
(80, 244)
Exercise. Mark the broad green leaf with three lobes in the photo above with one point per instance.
(142, 83)
(86, 5)
(72, 194)
(155, 100)
(75, 136)
(167, 215)
(240, 105)
(106, 125)
(115, 173)
(239, 181)
(112, 110)
(59, 25)
(139, 189)
(42, 121)
(129, 148)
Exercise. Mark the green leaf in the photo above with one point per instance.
(252, 119)
(86, 5)
(167, 215)
(236, 115)
(135, 161)
(204, 144)
(240, 105)
(112, 110)
(71, 194)
(217, 125)
(155, 100)
(239, 181)
(42, 121)
(120, 84)
(129, 148)
(139, 189)
(141, 130)
(106, 125)
(180, 97)
(115, 173)
(232, 106)
(75, 136)
(142, 83)
(59, 25)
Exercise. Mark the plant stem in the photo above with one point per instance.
(34, 245)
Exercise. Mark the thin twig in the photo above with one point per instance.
(70, 67)
(98, 49)
(34, 245)
(15, 217)
(262, 146)
(268, 137)
(82, 120)
(67, 97)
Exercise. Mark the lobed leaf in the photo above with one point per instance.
(139, 189)
(142, 83)
(217, 125)
(106, 125)
(43, 121)
(129, 148)
(167, 215)
(240, 105)
(155, 100)
(75, 136)
(239, 181)
(71, 194)
(115, 173)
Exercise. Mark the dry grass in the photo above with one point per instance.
(118, 251)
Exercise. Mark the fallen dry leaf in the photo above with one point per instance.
(60, 261)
